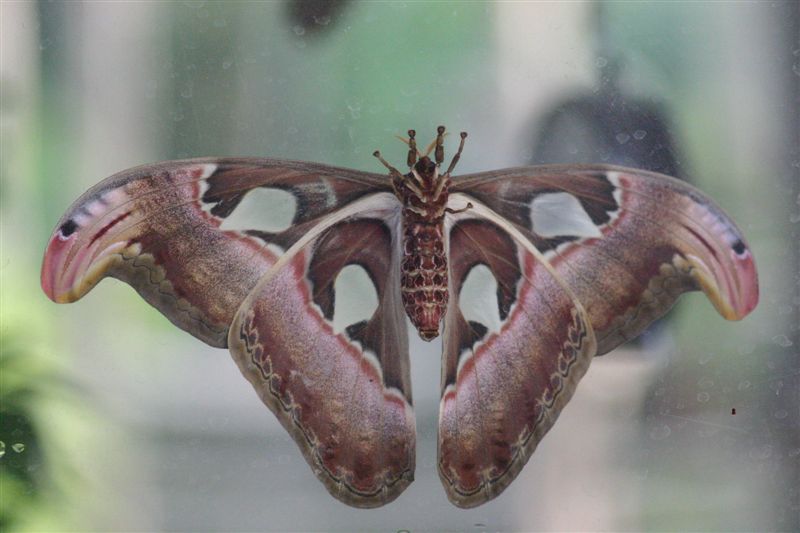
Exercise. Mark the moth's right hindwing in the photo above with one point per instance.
(343, 394)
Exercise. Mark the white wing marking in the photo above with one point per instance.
(478, 298)
(263, 208)
(561, 214)
(356, 297)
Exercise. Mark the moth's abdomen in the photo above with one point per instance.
(424, 281)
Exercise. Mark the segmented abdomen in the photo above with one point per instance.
(424, 276)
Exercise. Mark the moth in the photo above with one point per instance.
(584, 257)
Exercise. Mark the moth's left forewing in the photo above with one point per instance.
(343, 394)
(175, 233)
(504, 386)
(627, 242)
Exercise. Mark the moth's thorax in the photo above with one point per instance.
(424, 193)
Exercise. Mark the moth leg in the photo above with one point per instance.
(412, 149)
(440, 185)
(416, 190)
(458, 154)
(411, 142)
(397, 178)
(392, 171)
(456, 211)
(436, 143)
(439, 153)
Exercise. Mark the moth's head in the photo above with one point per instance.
(425, 171)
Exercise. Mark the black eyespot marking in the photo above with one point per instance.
(738, 247)
(68, 228)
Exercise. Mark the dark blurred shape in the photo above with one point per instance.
(314, 17)
(606, 126)
(23, 472)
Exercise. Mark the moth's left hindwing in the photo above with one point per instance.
(503, 387)
(161, 229)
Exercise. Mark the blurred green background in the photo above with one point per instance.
(113, 420)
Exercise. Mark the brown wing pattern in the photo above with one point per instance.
(345, 397)
(627, 242)
(158, 227)
(503, 390)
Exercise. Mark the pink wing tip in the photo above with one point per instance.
(53, 266)
(746, 298)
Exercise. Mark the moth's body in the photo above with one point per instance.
(424, 267)
(424, 193)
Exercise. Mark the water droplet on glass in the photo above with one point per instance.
(622, 138)
(705, 358)
(355, 110)
(705, 383)
(794, 219)
(299, 30)
(782, 340)
(660, 432)
(746, 348)
(601, 62)
(639, 135)
(703, 397)
(2, 448)
(186, 92)
(796, 68)
(762, 452)
(18, 447)
(744, 385)
(781, 414)
(226, 65)
(323, 20)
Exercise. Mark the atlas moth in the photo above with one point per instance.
(584, 257)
